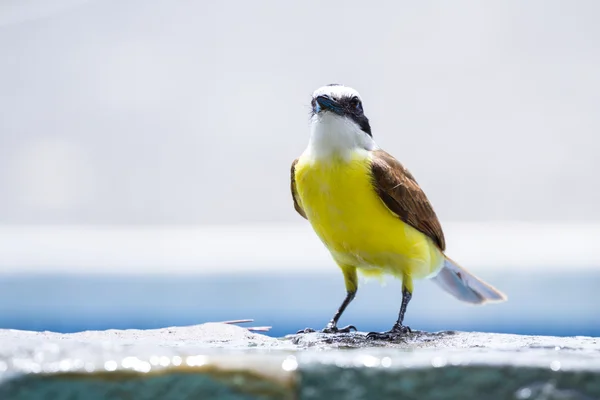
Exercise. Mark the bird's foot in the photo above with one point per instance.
(330, 329)
(397, 332)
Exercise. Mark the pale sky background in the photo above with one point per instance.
(190, 112)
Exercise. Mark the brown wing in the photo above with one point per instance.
(400, 192)
(294, 192)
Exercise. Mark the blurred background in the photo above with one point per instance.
(145, 149)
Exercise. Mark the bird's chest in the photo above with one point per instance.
(338, 199)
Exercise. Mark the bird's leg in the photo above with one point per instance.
(398, 330)
(351, 282)
(332, 325)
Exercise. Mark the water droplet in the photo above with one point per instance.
(50, 368)
(129, 362)
(386, 362)
(438, 362)
(196, 361)
(555, 365)
(65, 365)
(523, 394)
(289, 364)
(176, 361)
(164, 361)
(143, 366)
(370, 361)
(110, 365)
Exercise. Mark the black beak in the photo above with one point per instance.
(327, 103)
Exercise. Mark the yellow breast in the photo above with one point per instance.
(340, 202)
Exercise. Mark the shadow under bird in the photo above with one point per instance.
(369, 211)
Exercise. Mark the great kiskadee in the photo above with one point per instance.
(369, 211)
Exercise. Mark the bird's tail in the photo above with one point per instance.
(465, 286)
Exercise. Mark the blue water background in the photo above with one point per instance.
(540, 304)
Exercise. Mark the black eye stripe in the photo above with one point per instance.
(351, 104)
(353, 109)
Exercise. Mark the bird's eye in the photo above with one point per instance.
(355, 103)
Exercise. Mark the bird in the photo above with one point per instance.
(370, 212)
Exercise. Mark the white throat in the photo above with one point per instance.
(333, 135)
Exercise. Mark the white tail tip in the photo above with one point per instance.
(465, 286)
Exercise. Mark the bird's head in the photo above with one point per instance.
(342, 101)
(339, 125)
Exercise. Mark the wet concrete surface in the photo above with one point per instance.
(229, 362)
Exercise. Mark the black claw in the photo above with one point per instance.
(347, 329)
(330, 329)
(335, 329)
(378, 336)
(397, 332)
(305, 330)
